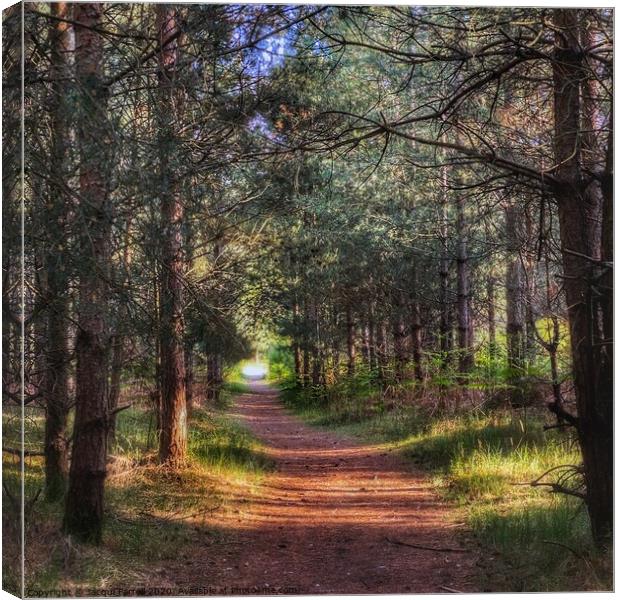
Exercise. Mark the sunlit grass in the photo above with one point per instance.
(152, 514)
(483, 462)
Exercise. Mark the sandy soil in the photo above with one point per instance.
(332, 518)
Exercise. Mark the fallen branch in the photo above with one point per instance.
(559, 489)
(421, 547)
(567, 547)
(174, 519)
(120, 408)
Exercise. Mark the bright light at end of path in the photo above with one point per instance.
(254, 371)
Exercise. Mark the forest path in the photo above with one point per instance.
(325, 521)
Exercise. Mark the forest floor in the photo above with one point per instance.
(334, 516)
(278, 498)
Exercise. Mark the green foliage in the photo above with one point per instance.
(281, 363)
(221, 444)
(544, 546)
(350, 400)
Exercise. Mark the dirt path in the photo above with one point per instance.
(323, 520)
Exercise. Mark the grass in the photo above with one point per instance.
(152, 514)
(482, 462)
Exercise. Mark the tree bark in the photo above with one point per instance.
(173, 435)
(399, 333)
(118, 341)
(365, 345)
(296, 348)
(381, 352)
(416, 330)
(214, 379)
(445, 322)
(463, 300)
(491, 317)
(56, 355)
(372, 348)
(189, 375)
(577, 211)
(84, 505)
(515, 310)
(350, 343)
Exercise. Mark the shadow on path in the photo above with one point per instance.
(326, 520)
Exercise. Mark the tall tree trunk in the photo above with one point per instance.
(381, 351)
(350, 343)
(297, 362)
(578, 210)
(491, 317)
(515, 310)
(118, 341)
(306, 367)
(213, 377)
(416, 330)
(173, 436)
(116, 369)
(84, 505)
(445, 321)
(56, 354)
(529, 288)
(317, 366)
(463, 300)
(365, 345)
(188, 348)
(296, 348)
(189, 375)
(399, 333)
(372, 344)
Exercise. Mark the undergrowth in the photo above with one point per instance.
(152, 514)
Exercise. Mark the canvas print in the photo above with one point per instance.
(306, 299)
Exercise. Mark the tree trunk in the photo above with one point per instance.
(173, 436)
(366, 345)
(116, 369)
(515, 311)
(316, 367)
(491, 318)
(416, 330)
(118, 341)
(350, 343)
(372, 347)
(297, 362)
(445, 321)
(213, 377)
(306, 367)
(296, 348)
(399, 333)
(84, 505)
(56, 354)
(189, 375)
(590, 345)
(381, 352)
(463, 300)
